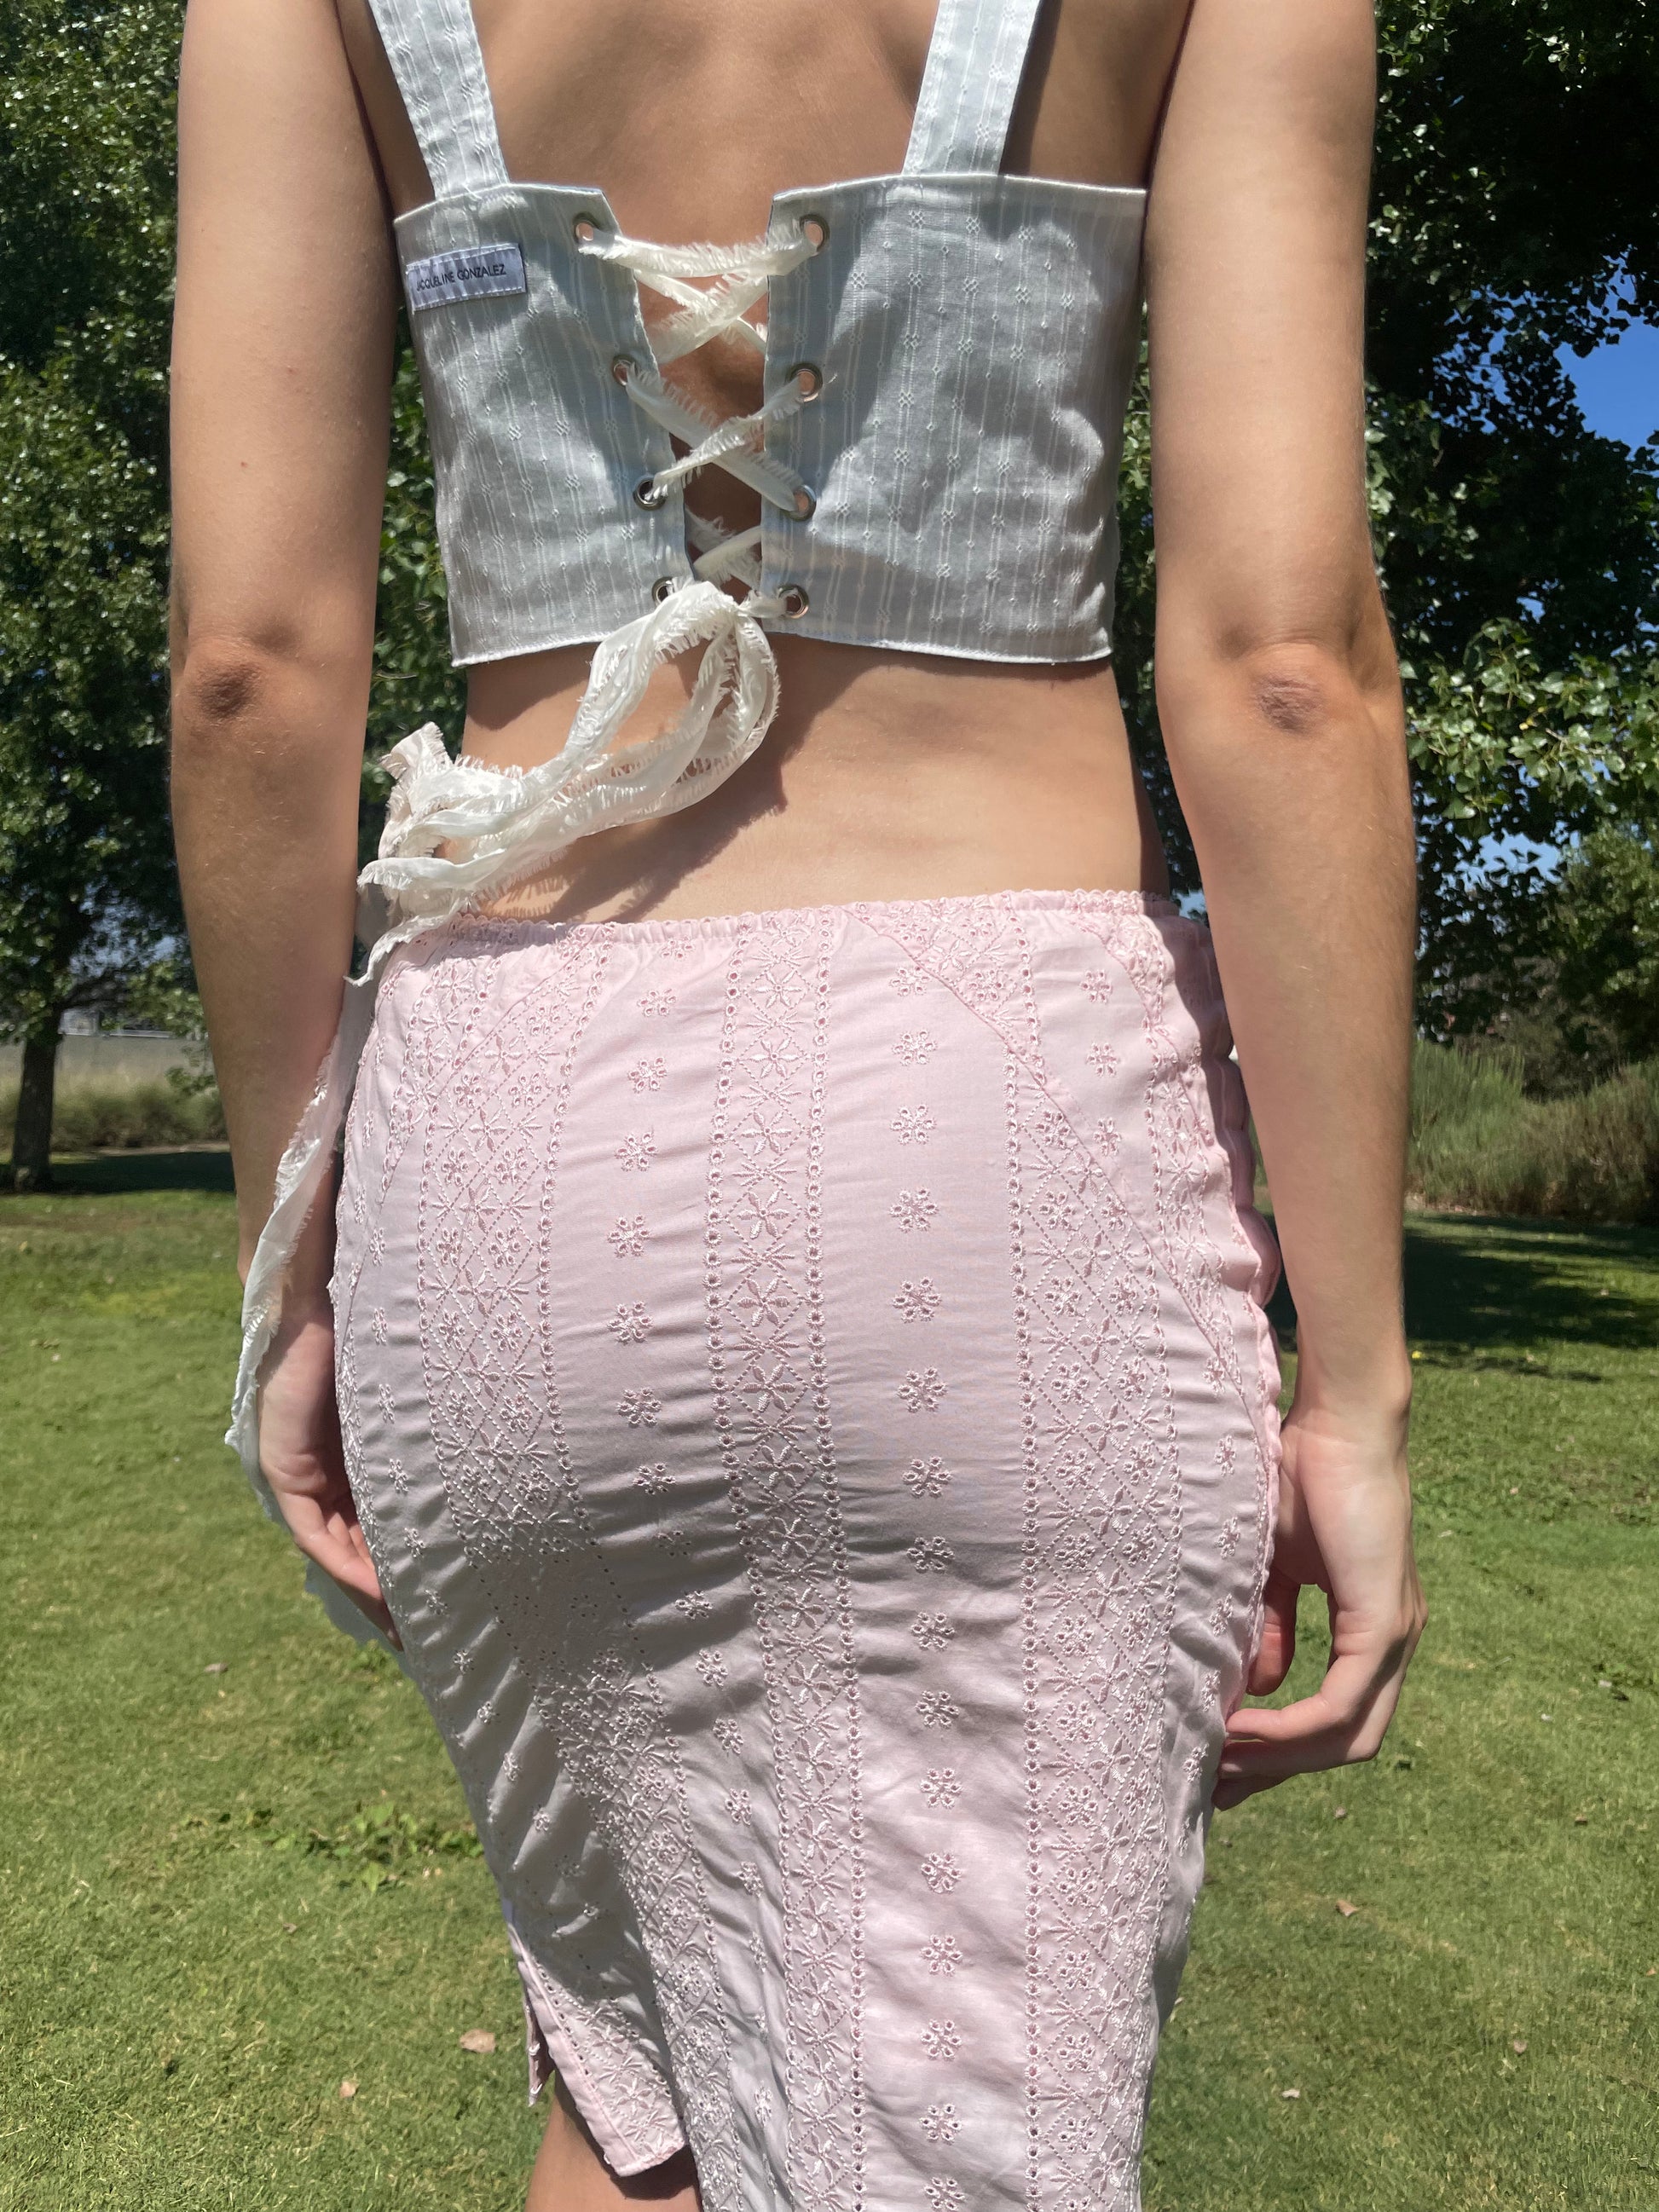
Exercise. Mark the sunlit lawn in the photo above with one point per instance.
(1483, 2028)
(187, 1976)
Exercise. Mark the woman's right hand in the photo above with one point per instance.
(1344, 1526)
(301, 1456)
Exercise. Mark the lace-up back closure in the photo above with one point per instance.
(947, 357)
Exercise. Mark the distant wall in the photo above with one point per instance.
(105, 1059)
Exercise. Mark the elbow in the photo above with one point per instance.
(244, 706)
(1297, 741)
(1298, 686)
(221, 686)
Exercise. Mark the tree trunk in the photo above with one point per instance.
(31, 1141)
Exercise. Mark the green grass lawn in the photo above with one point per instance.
(201, 1938)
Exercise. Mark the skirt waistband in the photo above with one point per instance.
(717, 927)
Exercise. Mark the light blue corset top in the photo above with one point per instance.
(948, 353)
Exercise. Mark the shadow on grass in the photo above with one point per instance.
(1478, 1283)
(124, 1175)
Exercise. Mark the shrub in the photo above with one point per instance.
(1479, 1143)
(1608, 933)
(96, 1116)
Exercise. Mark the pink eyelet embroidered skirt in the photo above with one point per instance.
(805, 1381)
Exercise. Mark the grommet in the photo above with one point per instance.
(815, 229)
(795, 601)
(662, 588)
(805, 504)
(585, 227)
(810, 378)
(623, 365)
(649, 495)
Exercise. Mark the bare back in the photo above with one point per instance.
(888, 773)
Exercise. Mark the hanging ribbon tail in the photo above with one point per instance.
(302, 1179)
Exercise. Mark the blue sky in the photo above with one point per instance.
(1617, 384)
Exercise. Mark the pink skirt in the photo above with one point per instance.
(805, 1381)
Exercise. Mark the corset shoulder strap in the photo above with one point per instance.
(972, 81)
(433, 47)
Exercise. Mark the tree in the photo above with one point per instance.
(88, 894)
(89, 912)
(1521, 551)
(1512, 215)
(1608, 939)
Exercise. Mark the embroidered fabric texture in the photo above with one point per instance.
(805, 1381)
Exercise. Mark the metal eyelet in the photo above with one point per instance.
(649, 495)
(585, 227)
(623, 365)
(795, 601)
(805, 504)
(809, 377)
(815, 229)
(664, 588)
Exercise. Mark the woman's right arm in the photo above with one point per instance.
(1280, 704)
(281, 378)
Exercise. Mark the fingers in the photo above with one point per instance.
(304, 1461)
(1277, 1647)
(333, 1540)
(1229, 1794)
(1343, 1527)
(1341, 1724)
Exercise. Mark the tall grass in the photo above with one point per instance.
(89, 1117)
(1479, 1143)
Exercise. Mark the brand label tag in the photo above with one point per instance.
(479, 272)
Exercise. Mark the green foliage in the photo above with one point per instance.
(86, 877)
(1607, 936)
(162, 995)
(86, 889)
(1508, 204)
(1480, 1143)
(1520, 551)
(1501, 741)
(377, 1847)
(413, 681)
(86, 213)
(1504, 749)
(181, 1107)
(88, 901)
(1572, 982)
